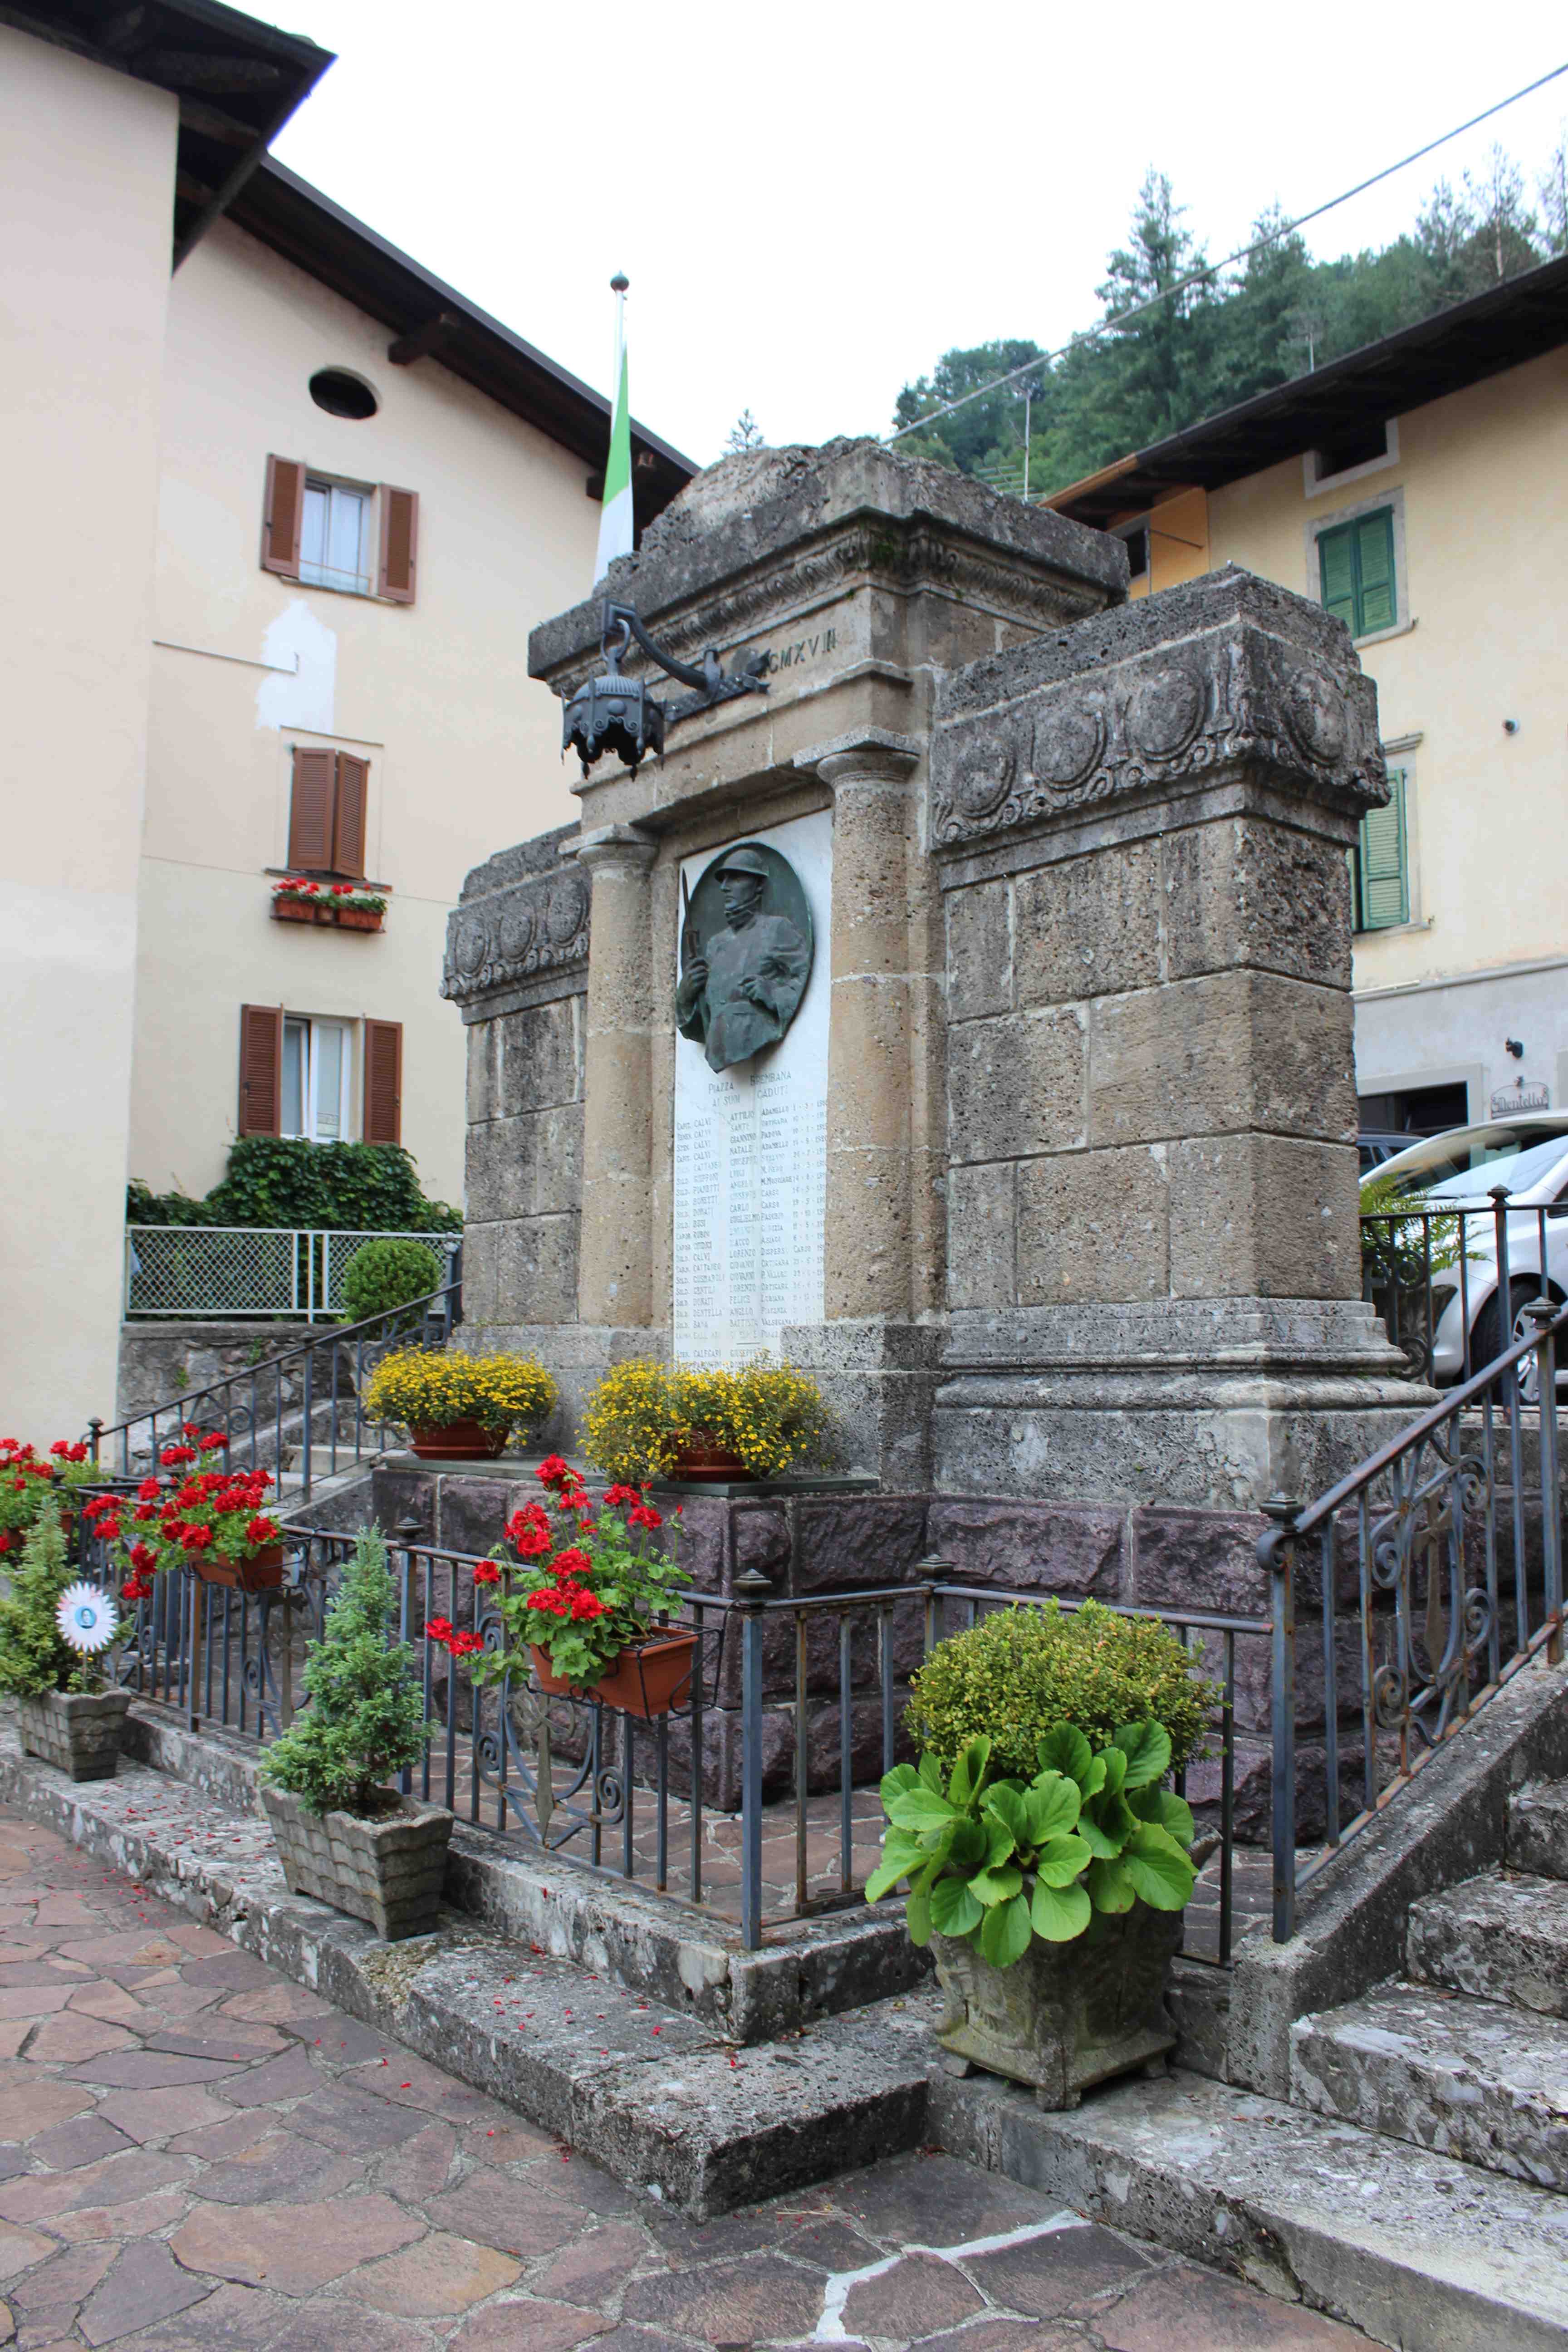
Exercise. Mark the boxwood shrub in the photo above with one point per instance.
(1017, 1672)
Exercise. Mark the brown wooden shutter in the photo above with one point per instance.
(399, 544)
(260, 1067)
(312, 810)
(348, 829)
(384, 1081)
(283, 517)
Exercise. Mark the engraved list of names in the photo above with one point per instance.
(751, 1166)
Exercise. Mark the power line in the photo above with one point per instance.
(1212, 268)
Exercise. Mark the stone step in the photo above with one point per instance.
(658, 2096)
(1538, 1829)
(1502, 1938)
(1418, 2251)
(1466, 2078)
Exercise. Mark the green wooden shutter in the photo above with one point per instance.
(1336, 561)
(1382, 881)
(1355, 567)
(1374, 567)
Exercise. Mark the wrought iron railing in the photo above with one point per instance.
(754, 1797)
(236, 1273)
(305, 1400)
(1436, 1571)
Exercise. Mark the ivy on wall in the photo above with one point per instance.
(283, 1181)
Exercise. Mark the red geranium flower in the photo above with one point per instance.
(554, 1603)
(464, 1646)
(554, 1472)
(572, 1561)
(486, 1572)
(617, 1495)
(437, 1629)
(644, 1516)
(585, 1605)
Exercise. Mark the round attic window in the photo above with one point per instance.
(341, 394)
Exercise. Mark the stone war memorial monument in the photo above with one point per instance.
(965, 1018)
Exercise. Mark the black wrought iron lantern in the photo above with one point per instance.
(614, 713)
(617, 714)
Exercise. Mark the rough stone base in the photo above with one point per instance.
(1065, 2016)
(1220, 1404)
(78, 1732)
(388, 1872)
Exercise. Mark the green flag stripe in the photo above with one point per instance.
(619, 471)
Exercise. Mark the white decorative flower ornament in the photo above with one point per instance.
(86, 1617)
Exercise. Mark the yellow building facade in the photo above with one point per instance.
(1441, 540)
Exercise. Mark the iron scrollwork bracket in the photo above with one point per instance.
(711, 684)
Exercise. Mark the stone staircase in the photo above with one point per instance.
(1465, 2054)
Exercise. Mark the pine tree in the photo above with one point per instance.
(365, 1717)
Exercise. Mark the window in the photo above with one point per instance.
(1351, 448)
(342, 394)
(1379, 864)
(341, 535)
(327, 802)
(1136, 540)
(1356, 565)
(334, 538)
(296, 1072)
(313, 1099)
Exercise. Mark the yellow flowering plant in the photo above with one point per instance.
(642, 1414)
(426, 1388)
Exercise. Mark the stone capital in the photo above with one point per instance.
(869, 755)
(615, 849)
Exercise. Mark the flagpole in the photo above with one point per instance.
(617, 534)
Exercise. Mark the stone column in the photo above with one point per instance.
(615, 1284)
(868, 1240)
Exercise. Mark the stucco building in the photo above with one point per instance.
(1418, 488)
(316, 500)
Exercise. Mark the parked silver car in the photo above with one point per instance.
(1457, 1172)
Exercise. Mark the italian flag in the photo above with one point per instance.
(615, 532)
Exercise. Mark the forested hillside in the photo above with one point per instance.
(1229, 335)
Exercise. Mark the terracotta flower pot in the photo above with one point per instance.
(357, 918)
(702, 1460)
(646, 1680)
(262, 1572)
(293, 910)
(389, 1870)
(77, 1731)
(456, 1441)
(1065, 2015)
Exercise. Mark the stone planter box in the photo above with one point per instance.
(77, 1731)
(1065, 2015)
(389, 1871)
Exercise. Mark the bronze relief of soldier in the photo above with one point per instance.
(745, 959)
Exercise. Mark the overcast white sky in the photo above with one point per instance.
(813, 202)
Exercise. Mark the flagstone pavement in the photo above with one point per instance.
(195, 2152)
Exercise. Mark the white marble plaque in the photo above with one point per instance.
(750, 1164)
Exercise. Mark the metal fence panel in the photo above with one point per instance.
(195, 1272)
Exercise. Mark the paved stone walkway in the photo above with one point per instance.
(195, 2152)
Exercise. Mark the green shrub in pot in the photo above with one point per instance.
(997, 1861)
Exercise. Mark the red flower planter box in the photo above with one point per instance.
(262, 1572)
(646, 1680)
(357, 918)
(295, 910)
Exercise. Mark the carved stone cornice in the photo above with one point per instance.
(905, 554)
(532, 929)
(1176, 713)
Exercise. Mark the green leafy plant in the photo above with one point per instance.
(1018, 1673)
(283, 1181)
(999, 1863)
(365, 1717)
(35, 1657)
(1393, 1244)
(382, 1275)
